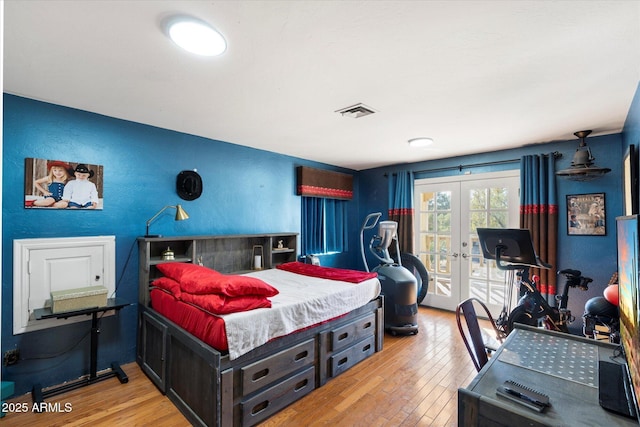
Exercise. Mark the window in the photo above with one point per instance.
(324, 226)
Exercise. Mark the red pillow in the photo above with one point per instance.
(222, 304)
(168, 285)
(175, 270)
(225, 284)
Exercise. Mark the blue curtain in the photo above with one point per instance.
(312, 225)
(401, 207)
(324, 225)
(539, 214)
(336, 225)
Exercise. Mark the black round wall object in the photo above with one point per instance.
(189, 185)
(417, 268)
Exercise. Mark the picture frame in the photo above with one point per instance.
(630, 181)
(48, 183)
(586, 215)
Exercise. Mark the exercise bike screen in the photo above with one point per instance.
(572, 360)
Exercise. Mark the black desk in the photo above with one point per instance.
(38, 394)
(563, 366)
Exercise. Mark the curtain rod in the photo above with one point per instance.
(555, 154)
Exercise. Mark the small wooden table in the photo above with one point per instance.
(38, 395)
(562, 366)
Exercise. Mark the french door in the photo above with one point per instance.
(448, 212)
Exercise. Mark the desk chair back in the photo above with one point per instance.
(470, 331)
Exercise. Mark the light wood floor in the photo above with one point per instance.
(412, 382)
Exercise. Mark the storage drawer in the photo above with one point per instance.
(345, 359)
(276, 397)
(152, 353)
(344, 336)
(272, 368)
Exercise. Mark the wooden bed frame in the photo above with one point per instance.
(212, 390)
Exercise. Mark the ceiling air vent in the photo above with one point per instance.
(356, 111)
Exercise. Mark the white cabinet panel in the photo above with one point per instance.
(44, 265)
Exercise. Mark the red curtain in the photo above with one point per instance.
(539, 214)
(401, 208)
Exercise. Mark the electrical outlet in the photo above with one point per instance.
(11, 357)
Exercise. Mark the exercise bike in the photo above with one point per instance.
(532, 308)
(513, 251)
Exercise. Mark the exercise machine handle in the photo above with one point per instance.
(371, 220)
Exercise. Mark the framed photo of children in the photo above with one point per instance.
(586, 215)
(60, 184)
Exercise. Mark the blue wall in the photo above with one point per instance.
(245, 191)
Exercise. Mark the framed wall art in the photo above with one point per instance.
(586, 215)
(59, 184)
(630, 180)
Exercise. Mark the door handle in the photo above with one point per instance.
(452, 254)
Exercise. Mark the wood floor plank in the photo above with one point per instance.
(412, 382)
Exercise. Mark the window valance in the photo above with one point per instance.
(323, 183)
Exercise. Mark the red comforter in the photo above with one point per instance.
(332, 273)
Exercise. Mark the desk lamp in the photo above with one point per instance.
(180, 216)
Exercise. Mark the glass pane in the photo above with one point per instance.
(428, 243)
(476, 252)
(427, 201)
(430, 263)
(443, 264)
(444, 222)
(477, 267)
(499, 198)
(443, 287)
(426, 223)
(498, 220)
(478, 290)
(497, 293)
(478, 199)
(427, 262)
(477, 220)
(443, 201)
(494, 272)
(444, 245)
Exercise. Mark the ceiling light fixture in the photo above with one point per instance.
(195, 36)
(582, 167)
(420, 142)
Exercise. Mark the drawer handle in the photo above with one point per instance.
(343, 336)
(259, 407)
(301, 355)
(366, 348)
(260, 375)
(342, 361)
(367, 325)
(302, 384)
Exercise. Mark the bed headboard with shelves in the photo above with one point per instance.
(225, 253)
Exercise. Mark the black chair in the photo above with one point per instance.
(478, 343)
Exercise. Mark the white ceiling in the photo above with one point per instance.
(474, 75)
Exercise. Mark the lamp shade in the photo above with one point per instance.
(181, 215)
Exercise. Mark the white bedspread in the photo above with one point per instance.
(303, 301)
